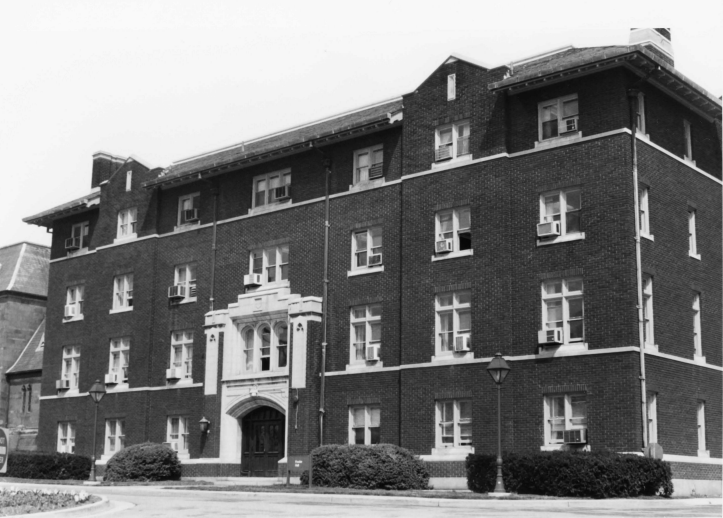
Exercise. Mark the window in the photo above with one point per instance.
(688, 141)
(272, 264)
(562, 307)
(282, 345)
(74, 302)
(185, 278)
(366, 332)
(452, 141)
(177, 434)
(271, 188)
(119, 356)
(640, 114)
(66, 437)
(563, 207)
(78, 237)
(182, 353)
(453, 230)
(557, 117)
(123, 292)
(265, 347)
(454, 321)
(368, 163)
(129, 180)
(701, 428)
(364, 424)
(643, 195)
(648, 310)
(451, 87)
(127, 222)
(697, 344)
(651, 406)
(564, 412)
(188, 209)
(692, 238)
(366, 248)
(454, 423)
(115, 440)
(71, 366)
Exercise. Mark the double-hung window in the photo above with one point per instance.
(651, 408)
(272, 188)
(272, 264)
(564, 412)
(692, 237)
(688, 140)
(454, 423)
(119, 357)
(71, 366)
(560, 214)
(123, 292)
(557, 117)
(264, 347)
(366, 248)
(648, 310)
(177, 434)
(697, 343)
(640, 114)
(78, 237)
(115, 439)
(74, 302)
(368, 163)
(453, 231)
(644, 215)
(452, 141)
(188, 209)
(562, 308)
(182, 353)
(364, 424)
(366, 332)
(700, 414)
(127, 219)
(184, 283)
(454, 322)
(66, 437)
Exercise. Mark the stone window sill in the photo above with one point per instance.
(694, 256)
(77, 318)
(699, 359)
(270, 208)
(577, 236)
(366, 366)
(652, 347)
(705, 454)
(452, 255)
(123, 239)
(184, 301)
(553, 350)
(563, 447)
(558, 141)
(445, 357)
(365, 271)
(187, 226)
(368, 184)
(452, 451)
(121, 310)
(119, 387)
(647, 236)
(452, 162)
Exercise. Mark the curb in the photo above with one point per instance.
(82, 510)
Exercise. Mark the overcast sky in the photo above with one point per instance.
(165, 80)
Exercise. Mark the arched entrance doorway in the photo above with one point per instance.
(262, 444)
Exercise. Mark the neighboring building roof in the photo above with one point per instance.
(24, 268)
(78, 205)
(31, 359)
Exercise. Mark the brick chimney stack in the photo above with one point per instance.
(657, 41)
(103, 166)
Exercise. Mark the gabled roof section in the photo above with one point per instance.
(31, 359)
(24, 269)
(81, 204)
(291, 140)
(459, 57)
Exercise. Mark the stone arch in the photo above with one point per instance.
(244, 406)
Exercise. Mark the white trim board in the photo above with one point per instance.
(135, 389)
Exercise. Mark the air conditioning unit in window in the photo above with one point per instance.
(192, 290)
(72, 243)
(461, 344)
(253, 279)
(444, 246)
(70, 310)
(62, 384)
(375, 259)
(112, 378)
(444, 152)
(376, 171)
(282, 193)
(177, 292)
(190, 215)
(574, 436)
(174, 373)
(570, 124)
(372, 353)
(550, 336)
(548, 229)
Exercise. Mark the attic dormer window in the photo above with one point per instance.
(451, 87)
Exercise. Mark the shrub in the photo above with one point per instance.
(47, 465)
(381, 466)
(146, 461)
(580, 474)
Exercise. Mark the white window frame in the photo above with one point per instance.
(255, 350)
(688, 141)
(279, 268)
(460, 148)
(567, 420)
(183, 204)
(561, 127)
(120, 350)
(129, 180)
(640, 114)
(368, 414)
(122, 293)
(80, 230)
(565, 233)
(692, 234)
(697, 339)
(115, 438)
(284, 176)
(565, 296)
(66, 437)
(369, 250)
(700, 418)
(363, 176)
(70, 368)
(644, 208)
(651, 406)
(457, 229)
(180, 437)
(185, 275)
(127, 223)
(182, 340)
(74, 296)
(457, 309)
(648, 324)
(459, 442)
(369, 321)
(451, 87)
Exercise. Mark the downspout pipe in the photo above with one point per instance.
(325, 300)
(214, 192)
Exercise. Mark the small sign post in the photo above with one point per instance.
(297, 464)
(4, 444)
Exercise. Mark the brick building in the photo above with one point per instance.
(518, 209)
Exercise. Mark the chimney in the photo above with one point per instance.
(103, 166)
(656, 41)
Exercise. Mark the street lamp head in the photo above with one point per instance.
(498, 369)
(204, 424)
(97, 391)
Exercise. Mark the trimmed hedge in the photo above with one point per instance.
(47, 465)
(146, 461)
(580, 474)
(380, 466)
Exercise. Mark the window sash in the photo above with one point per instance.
(692, 240)
(182, 352)
(366, 329)
(644, 211)
(455, 224)
(365, 243)
(697, 342)
(700, 414)
(565, 207)
(265, 187)
(454, 420)
(564, 412)
(455, 137)
(563, 306)
(271, 263)
(651, 405)
(364, 424)
(123, 291)
(557, 117)
(453, 318)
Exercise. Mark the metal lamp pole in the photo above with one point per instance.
(499, 369)
(96, 393)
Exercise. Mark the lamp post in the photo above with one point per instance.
(204, 425)
(96, 393)
(499, 369)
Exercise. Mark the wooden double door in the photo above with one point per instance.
(262, 442)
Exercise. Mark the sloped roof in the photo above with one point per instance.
(24, 268)
(77, 205)
(31, 359)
